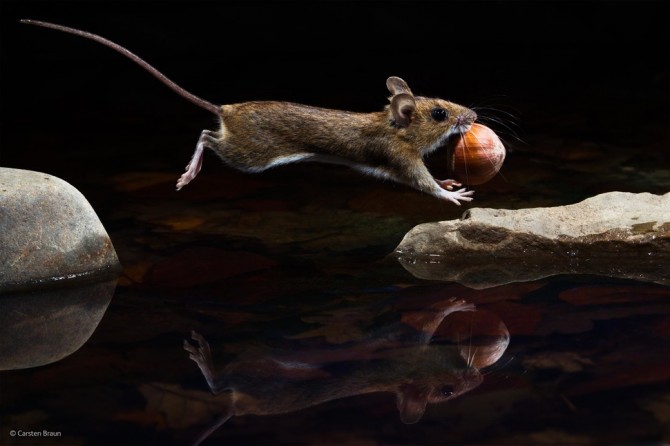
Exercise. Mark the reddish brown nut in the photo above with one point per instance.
(477, 156)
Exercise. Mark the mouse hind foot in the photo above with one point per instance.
(208, 140)
(201, 354)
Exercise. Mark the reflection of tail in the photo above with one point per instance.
(203, 436)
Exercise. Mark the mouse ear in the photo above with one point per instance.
(411, 402)
(397, 85)
(402, 107)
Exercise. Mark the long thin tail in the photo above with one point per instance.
(138, 60)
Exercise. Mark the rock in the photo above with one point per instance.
(48, 233)
(616, 234)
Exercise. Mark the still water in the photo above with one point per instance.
(317, 335)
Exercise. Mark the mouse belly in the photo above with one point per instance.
(256, 150)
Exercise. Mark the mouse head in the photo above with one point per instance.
(428, 121)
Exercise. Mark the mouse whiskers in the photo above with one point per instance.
(503, 122)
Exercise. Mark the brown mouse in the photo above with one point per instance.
(389, 144)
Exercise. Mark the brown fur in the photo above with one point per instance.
(255, 136)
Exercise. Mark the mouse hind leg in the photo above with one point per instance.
(202, 356)
(208, 140)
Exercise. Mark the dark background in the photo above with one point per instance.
(534, 65)
(579, 91)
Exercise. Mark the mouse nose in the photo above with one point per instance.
(466, 118)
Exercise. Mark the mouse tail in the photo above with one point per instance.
(210, 430)
(138, 60)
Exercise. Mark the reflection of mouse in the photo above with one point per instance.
(400, 360)
(390, 144)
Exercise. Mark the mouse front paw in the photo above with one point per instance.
(455, 196)
(454, 304)
(448, 184)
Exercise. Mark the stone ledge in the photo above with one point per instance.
(49, 233)
(617, 234)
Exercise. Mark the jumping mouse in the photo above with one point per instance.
(390, 144)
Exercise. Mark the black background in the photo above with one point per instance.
(597, 72)
(66, 98)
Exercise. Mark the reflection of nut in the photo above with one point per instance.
(481, 336)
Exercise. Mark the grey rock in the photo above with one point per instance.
(615, 234)
(48, 232)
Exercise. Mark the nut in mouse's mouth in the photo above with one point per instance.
(463, 129)
(476, 156)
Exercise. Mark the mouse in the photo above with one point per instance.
(389, 144)
(403, 358)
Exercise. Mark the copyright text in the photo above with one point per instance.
(42, 433)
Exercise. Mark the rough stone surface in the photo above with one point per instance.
(48, 232)
(616, 234)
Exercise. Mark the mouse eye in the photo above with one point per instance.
(439, 114)
(447, 390)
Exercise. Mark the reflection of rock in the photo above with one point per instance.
(48, 232)
(42, 327)
(489, 247)
(417, 359)
(569, 362)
